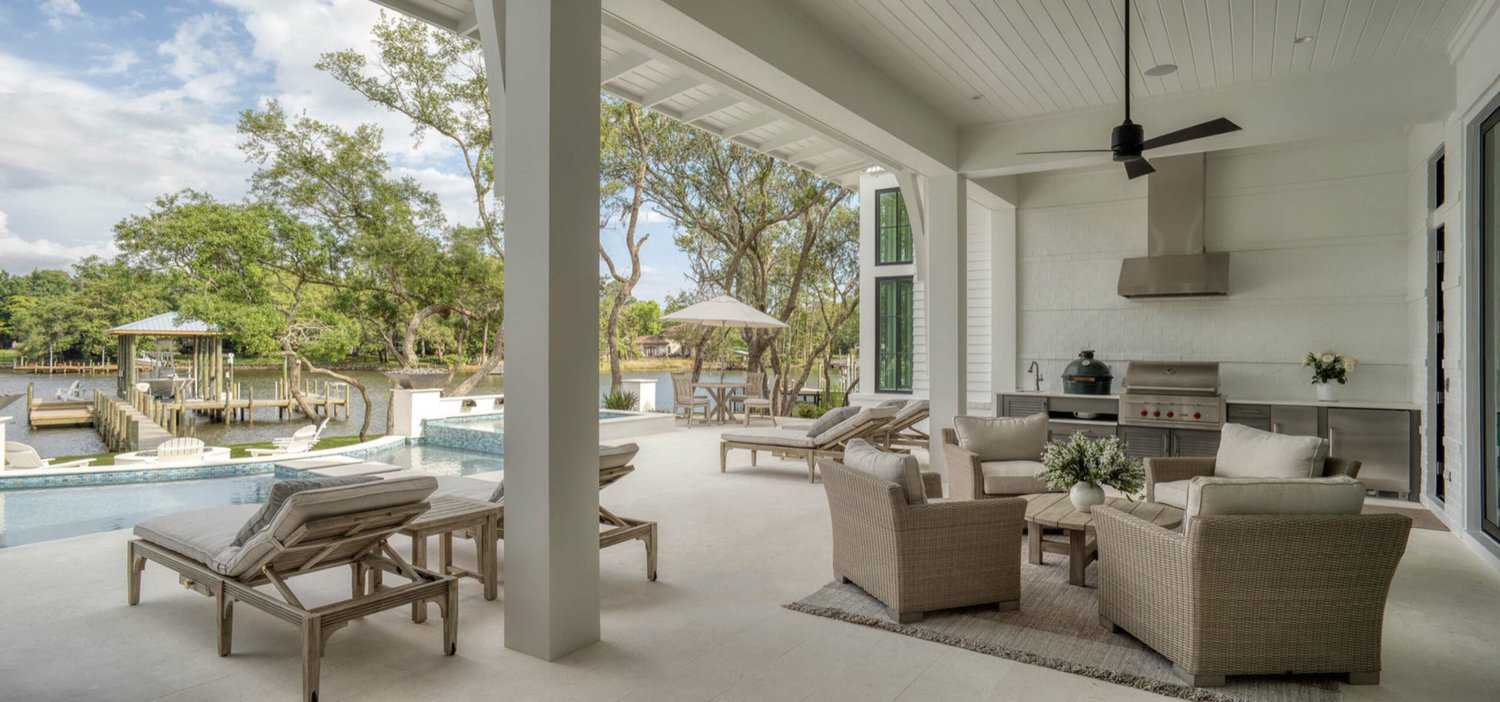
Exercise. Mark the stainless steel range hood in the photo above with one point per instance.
(1176, 264)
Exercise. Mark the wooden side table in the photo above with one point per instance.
(449, 514)
(1054, 510)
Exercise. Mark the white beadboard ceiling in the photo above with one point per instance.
(987, 61)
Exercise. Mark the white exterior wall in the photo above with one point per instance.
(1318, 261)
(981, 234)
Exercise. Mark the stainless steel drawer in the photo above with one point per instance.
(1021, 406)
(1380, 440)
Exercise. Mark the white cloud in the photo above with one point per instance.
(58, 11)
(22, 255)
(649, 215)
(204, 56)
(115, 63)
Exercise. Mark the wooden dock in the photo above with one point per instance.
(21, 366)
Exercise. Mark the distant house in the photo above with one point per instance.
(658, 346)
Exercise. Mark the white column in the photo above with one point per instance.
(551, 164)
(947, 304)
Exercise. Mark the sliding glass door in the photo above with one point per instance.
(1489, 238)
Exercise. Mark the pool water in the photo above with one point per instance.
(29, 516)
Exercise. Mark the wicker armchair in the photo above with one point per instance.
(1181, 470)
(966, 473)
(1252, 594)
(925, 557)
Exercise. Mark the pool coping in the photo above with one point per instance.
(117, 475)
(611, 429)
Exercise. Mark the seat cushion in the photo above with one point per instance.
(1173, 493)
(199, 534)
(901, 469)
(916, 410)
(617, 456)
(830, 419)
(793, 438)
(282, 490)
(1012, 477)
(1246, 452)
(472, 488)
(864, 420)
(1220, 496)
(1003, 438)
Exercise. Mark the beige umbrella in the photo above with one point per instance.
(726, 312)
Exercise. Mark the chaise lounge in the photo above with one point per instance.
(825, 438)
(306, 526)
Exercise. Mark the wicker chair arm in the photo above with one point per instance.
(1005, 515)
(964, 473)
(857, 497)
(1145, 580)
(932, 484)
(1166, 470)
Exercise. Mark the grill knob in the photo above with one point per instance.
(1197, 415)
(1156, 413)
(1169, 414)
(1144, 413)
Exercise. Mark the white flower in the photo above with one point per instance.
(1350, 362)
(1327, 357)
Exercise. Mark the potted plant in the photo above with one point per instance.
(1083, 465)
(1328, 368)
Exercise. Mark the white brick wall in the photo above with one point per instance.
(1319, 260)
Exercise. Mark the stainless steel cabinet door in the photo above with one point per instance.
(1146, 442)
(1195, 444)
(1380, 440)
(1257, 416)
(1298, 421)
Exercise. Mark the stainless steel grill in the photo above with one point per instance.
(1172, 394)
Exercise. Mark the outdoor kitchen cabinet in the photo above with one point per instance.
(1382, 441)
(1146, 442)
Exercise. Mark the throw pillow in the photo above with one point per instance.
(830, 419)
(901, 469)
(1246, 452)
(1003, 438)
(283, 489)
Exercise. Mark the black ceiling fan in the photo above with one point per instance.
(1127, 141)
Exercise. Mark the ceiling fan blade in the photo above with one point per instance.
(1213, 127)
(1137, 167)
(1063, 151)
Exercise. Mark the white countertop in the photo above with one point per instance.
(1404, 405)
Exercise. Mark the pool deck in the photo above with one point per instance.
(735, 547)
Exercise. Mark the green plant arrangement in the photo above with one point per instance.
(1083, 464)
(807, 410)
(622, 400)
(1330, 367)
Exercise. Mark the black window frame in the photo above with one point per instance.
(1489, 318)
(880, 228)
(880, 386)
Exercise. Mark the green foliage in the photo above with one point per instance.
(808, 410)
(622, 400)
(1101, 461)
(1330, 367)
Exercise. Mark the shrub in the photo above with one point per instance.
(620, 400)
(807, 410)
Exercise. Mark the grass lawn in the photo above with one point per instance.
(235, 450)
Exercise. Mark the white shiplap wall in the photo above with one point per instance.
(1319, 246)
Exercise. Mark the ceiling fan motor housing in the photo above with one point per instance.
(1125, 140)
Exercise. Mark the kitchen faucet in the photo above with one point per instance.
(1036, 375)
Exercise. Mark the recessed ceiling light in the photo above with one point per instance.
(1303, 39)
(1161, 69)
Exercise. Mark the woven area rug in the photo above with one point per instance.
(1057, 627)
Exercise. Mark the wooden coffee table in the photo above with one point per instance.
(1053, 510)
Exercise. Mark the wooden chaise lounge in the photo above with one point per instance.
(903, 431)
(312, 530)
(867, 423)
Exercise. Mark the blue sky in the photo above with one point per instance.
(106, 104)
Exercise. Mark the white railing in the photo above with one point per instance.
(410, 408)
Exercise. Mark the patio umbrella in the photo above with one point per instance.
(726, 312)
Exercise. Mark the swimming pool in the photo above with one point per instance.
(29, 516)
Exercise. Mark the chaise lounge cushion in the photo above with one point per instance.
(901, 469)
(909, 410)
(471, 488)
(830, 419)
(1003, 438)
(1222, 496)
(1012, 477)
(1173, 493)
(281, 491)
(199, 534)
(1246, 452)
(793, 438)
(864, 418)
(617, 456)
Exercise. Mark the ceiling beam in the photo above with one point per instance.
(621, 65)
(750, 124)
(811, 152)
(788, 136)
(669, 90)
(710, 107)
(468, 25)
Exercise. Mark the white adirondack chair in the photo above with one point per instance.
(20, 456)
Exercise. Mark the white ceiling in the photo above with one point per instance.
(985, 61)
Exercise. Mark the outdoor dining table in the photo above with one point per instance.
(721, 392)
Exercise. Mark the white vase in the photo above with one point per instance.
(1085, 495)
(1325, 392)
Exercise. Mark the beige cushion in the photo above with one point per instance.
(472, 488)
(863, 420)
(1245, 452)
(1003, 438)
(901, 469)
(617, 456)
(199, 534)
(282, 490)
(1174, 493)
(308, 505)
(910, 410)
(793, 438)
(830, 419)
(1220, 496)
(1012, 477)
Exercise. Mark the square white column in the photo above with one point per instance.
(551, 162)
(947, 305)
